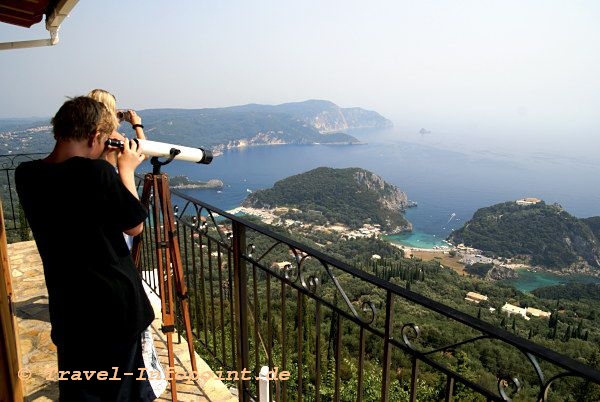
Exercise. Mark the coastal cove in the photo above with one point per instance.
(448, 184)
(530, 280)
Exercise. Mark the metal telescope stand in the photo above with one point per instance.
(168, 258)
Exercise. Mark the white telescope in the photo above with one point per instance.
(170, 151)
(189, 154)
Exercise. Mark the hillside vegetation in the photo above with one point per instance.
(351, 196)
(571, 329)
(546, 235)
(570, 291)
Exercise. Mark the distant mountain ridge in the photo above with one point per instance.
(352, 196)
(308, 122)
(546, 234)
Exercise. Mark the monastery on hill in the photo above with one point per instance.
(528, 201)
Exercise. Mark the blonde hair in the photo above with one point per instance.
(108, 123)
(107, 99)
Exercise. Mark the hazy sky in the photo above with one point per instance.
(460, 63)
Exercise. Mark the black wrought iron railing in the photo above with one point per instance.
(15, 225)
(259, 298)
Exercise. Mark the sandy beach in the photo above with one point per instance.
(269, 216)
(428, 254)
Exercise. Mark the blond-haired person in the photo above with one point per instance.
(129, 116)
(149, 352)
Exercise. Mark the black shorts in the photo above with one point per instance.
(124, 381)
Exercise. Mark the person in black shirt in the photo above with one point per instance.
(78, 207)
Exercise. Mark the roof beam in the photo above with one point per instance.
(54, 18)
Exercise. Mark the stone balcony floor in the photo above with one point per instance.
(38, 353)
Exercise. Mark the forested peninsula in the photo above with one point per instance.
(352, 197)
(543, 235)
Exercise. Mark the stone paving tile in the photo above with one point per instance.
(38, 353)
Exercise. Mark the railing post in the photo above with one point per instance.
(240, 290)
(387, 347)
(263, 385)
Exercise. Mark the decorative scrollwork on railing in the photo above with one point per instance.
(546, 387)
(503, 383)
(9, 162)
(287, 269)
(310, 282)
(347, 301)
(369, 307)
(212, 217)
(198, 218)
(293, 272)
(250, 249)
(536, 366)
(191, 218)
(453, 345)
(406, 330)
(297, 272)
(250, 253)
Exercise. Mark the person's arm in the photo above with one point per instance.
(129, 159)
(136, 123)
(135, 230)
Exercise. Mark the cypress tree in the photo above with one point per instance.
(567, 336)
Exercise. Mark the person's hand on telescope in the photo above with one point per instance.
(130, 157)
(111, 154)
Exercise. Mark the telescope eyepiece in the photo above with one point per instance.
(111, 142)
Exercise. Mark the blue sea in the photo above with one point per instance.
(448, 179)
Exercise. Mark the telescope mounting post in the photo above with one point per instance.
(156, 164)
(168, 259)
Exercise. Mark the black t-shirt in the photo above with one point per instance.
(78, 210)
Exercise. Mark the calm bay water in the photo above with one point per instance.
(529, 280)
(449, 183)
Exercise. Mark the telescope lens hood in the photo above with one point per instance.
(207, 158)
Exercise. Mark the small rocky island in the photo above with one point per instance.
(183, 182)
